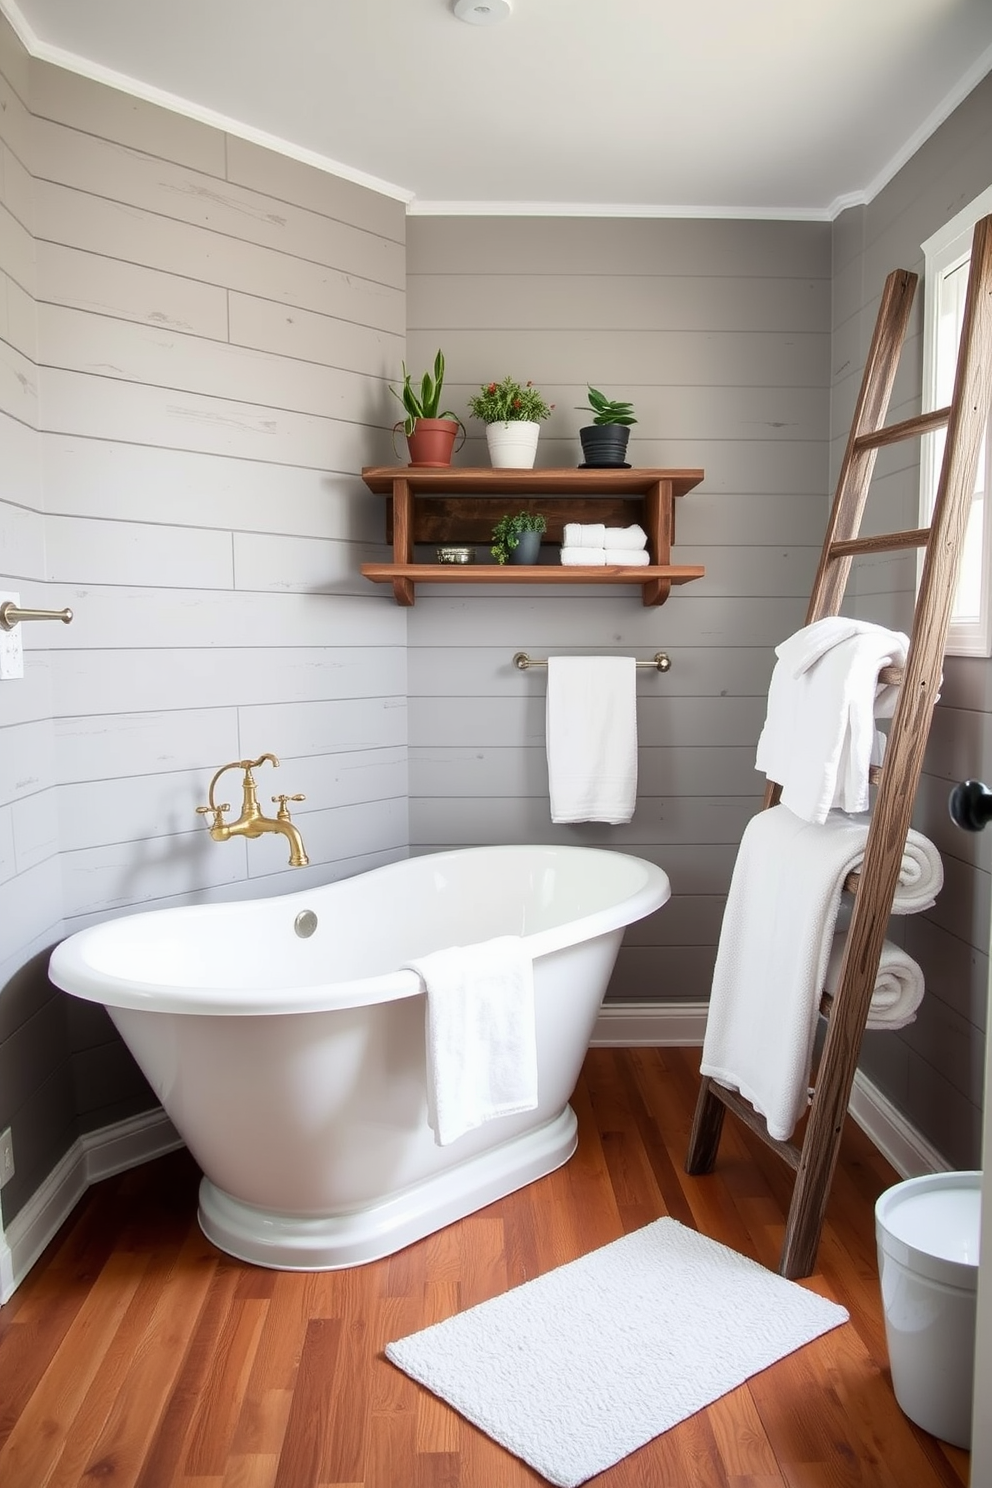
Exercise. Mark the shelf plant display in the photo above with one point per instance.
(430, 434)
(512, 413)
(517, 539)
(604, 441)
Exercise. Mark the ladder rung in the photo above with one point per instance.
(922, 423)
(882, 542)
(745, 1112)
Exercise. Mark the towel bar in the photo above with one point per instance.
(12, 614)
(660, 662)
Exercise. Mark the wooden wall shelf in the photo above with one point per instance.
(451, 505)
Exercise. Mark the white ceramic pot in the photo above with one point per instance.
(513, 445)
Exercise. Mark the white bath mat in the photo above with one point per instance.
(574, 1370)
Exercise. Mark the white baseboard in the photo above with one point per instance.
(627, 1025)
(96, 1155)
(630, 1024)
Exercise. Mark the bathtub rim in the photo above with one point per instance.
(73, 973)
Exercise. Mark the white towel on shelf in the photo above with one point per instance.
(625, 537)
(899, 986)
(585, 535)
(592, 738)
(775, 944)
(481, 1043)
(596, 557)
(819, 737)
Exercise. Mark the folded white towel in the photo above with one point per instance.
(596, 557)
(899, 986)
(775, 944)
(625, 537)
(592, 738)
(819, 737)
(481, 1043)
(585, 535)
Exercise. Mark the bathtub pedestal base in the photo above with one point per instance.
(286, 1242)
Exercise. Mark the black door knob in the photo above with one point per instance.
(970, 805)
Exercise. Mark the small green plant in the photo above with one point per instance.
(425, 401)
(608, 410)
(506, 533)
(508, 402)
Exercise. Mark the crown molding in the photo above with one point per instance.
(628, 210)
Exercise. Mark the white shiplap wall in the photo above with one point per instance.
(197, 347)
(720, 334)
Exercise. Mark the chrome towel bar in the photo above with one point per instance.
(660, 662)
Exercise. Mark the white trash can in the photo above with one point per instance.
(928, 1232)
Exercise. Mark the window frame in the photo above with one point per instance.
(943, 253)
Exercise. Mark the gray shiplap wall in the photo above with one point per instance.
(933, 1070)
(196, 344)
(720, 334)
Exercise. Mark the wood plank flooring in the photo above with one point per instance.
(136, 1355)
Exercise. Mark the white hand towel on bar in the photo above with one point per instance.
(595, 557)
(481, 1043)
(625, 537)
(584, 535)
(819, 737)
(775, 944)
(592, 738)
(899, 986)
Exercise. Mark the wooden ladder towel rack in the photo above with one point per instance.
(965, 419)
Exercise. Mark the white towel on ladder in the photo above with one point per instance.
(592, 738)
(480, 1034)
(819, 737)
(774, 950)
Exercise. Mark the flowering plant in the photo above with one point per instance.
(507, 402)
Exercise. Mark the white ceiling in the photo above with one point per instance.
(792, 108)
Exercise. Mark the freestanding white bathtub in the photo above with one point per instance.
(289, 1050)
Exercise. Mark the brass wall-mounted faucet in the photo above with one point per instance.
(251, 822)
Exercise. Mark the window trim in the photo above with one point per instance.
(942, 252)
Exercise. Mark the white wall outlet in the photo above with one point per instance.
(6, 1157)
(11, 651)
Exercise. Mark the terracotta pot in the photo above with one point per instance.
(432, 441)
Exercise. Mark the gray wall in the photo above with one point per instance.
(195, 343)
(719, 334)
(933, 1070)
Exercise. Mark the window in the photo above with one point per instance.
(947, 256)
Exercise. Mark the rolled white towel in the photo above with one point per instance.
(899, 985)
(585, 535)
(628, 557)
(583, 557)
(626, 537)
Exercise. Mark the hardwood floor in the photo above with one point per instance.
(135, 1353)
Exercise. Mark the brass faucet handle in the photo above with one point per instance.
(283, 813)
(215, 811)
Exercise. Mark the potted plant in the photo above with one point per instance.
(512, 414)
(604, 441)
(430, 435)
(518, 539)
